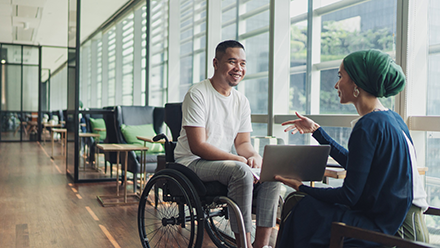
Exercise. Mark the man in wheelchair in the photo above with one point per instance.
(216, 117)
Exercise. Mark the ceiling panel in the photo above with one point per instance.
(25, 11)
(53, 26)
(21, 34)
(31, 22)
(5, 29)
(5, 9)
(48, 25)
(30, 2)
(5, 21)
(96, 12)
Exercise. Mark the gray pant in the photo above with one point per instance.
(239, 179)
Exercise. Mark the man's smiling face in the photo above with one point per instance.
(231, 66)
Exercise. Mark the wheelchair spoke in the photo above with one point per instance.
(168, 220)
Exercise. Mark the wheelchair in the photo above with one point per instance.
(176, 208)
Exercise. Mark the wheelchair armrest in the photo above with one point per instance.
(432, 211)
(169, 146)
(159, 137)
(340, 230)
(151, 140)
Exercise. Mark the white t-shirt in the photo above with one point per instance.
(223, 117)
(419, 194)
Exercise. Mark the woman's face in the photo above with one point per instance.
(345, 86)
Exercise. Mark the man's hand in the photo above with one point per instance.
(255, 161)
(242, 159)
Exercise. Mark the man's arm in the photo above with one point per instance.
(244, 148)
(198, 145)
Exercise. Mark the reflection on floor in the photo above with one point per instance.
(15, 136)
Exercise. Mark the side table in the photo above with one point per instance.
(118, 148)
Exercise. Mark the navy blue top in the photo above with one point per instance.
(378, 182)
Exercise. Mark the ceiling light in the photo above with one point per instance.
(25, 25)
(3, 61)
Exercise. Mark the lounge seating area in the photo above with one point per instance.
(115, 125)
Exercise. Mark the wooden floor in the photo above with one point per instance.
(41, 207)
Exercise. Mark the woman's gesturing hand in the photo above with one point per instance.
(294, 183)
(301, 125)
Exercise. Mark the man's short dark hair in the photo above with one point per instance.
(222, 46)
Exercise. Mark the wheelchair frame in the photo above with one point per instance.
(176, 207)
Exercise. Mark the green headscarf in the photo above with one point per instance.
(375, 72)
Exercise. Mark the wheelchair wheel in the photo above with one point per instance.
(218, 227)
(169, 213)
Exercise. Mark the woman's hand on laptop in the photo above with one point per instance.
(294, 183)
(301, 125)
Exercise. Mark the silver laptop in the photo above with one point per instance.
(304, 162)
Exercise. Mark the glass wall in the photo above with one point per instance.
(19, 85)
(113, 63)
(13, 122)
(298, 56)
(58, 92)
(30, 88)
(158, 54)
(192, 43)
(127, 27)
(433, 101)
(369, 25)
(337, 28)
(432, 152)
(111, 66)
(249, 23)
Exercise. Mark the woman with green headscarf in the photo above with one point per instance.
(382, 183)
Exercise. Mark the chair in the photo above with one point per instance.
(340, 231)
(187, 189)
(173, 118)
(93, 121)
(110, 138)
(127, 117)
(32, 124)
(181, 200)
(23, 125)
(59, 115)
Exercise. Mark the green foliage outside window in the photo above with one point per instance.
(336, 43)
